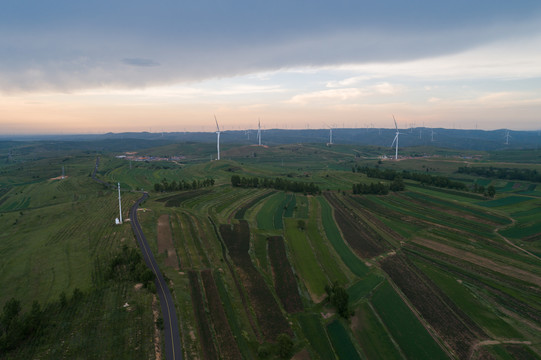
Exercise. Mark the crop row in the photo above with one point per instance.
(224, 337)
(455, 327)
(511, 293)
(205, 334)
(265, 216)
(285, 282)
(178, 199)
(410, 335)
(446, 205)
(355, 265)
(316, 335)
(341, 341)
(242, 210)
(364, 240)
(270, 318)
(305, 260)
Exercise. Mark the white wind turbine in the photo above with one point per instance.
(432, 136)
(507, 136)
(259, 132)
(395, 139)
(217, 137)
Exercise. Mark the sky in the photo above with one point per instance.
(113, 66)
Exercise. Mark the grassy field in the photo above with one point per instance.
(478, 257)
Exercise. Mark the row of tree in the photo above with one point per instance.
(165, 185)
(277, 183)
(502, 173)
(379, 188)
(433, 180)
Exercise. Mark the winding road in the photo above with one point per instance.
(173, 349)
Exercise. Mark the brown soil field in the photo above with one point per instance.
(481, 261)
(285, 283)
(227, 345)
(364, 240)
(165, 242)
(268, 313)
(198, 302)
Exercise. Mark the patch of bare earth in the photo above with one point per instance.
(156, 313)
(481, 261)
(302, 355)
(165, 242)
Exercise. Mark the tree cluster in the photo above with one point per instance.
(277, 183)
(379, 188)
(433, 180)
(502, 173)
(339, 298)
(128, 264)
(165, 185)
(16, 327)
(490, 191)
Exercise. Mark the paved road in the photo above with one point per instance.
(173, 348)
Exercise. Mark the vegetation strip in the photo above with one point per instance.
(226, 342)
(285, 282)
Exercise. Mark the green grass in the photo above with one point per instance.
(301, 208)
(413, 339)
(505, 201)
(343, 346)
(363, 287)
(304, 258)
(372, 336)
(316, 335)
(480, 312)
(265, 216)
(333, 234)
(326, 255)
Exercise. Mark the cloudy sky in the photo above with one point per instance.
(97, 66)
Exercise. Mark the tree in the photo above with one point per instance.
(491, 191)
(339, 298)
(301, 224)
(285, 346)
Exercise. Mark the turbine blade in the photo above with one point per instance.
(396, 137)
(217, 127)
(396, 126)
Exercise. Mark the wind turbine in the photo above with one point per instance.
(507, 136)
(395, 139)
(330, 134)
(259, 132)
(432, 136)
(217, 137)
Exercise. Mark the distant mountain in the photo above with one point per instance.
(444, 138)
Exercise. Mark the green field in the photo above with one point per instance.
(60, 248)
(413, 339)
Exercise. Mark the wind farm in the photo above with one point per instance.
(134, 227)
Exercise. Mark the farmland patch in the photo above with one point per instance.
(285, 282)
(267, 311)
(412, 338)
(165, 242)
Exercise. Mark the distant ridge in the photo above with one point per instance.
(442, 138)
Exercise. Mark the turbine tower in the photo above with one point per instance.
(119, 206)
(395, 139)
(330, 134)
(507, 136)
(432, 136)
(259, 132)
(217, 137)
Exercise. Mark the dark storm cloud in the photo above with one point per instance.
(65, 45)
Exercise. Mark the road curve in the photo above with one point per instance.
(173, 349)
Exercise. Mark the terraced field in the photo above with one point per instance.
(428, 273)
